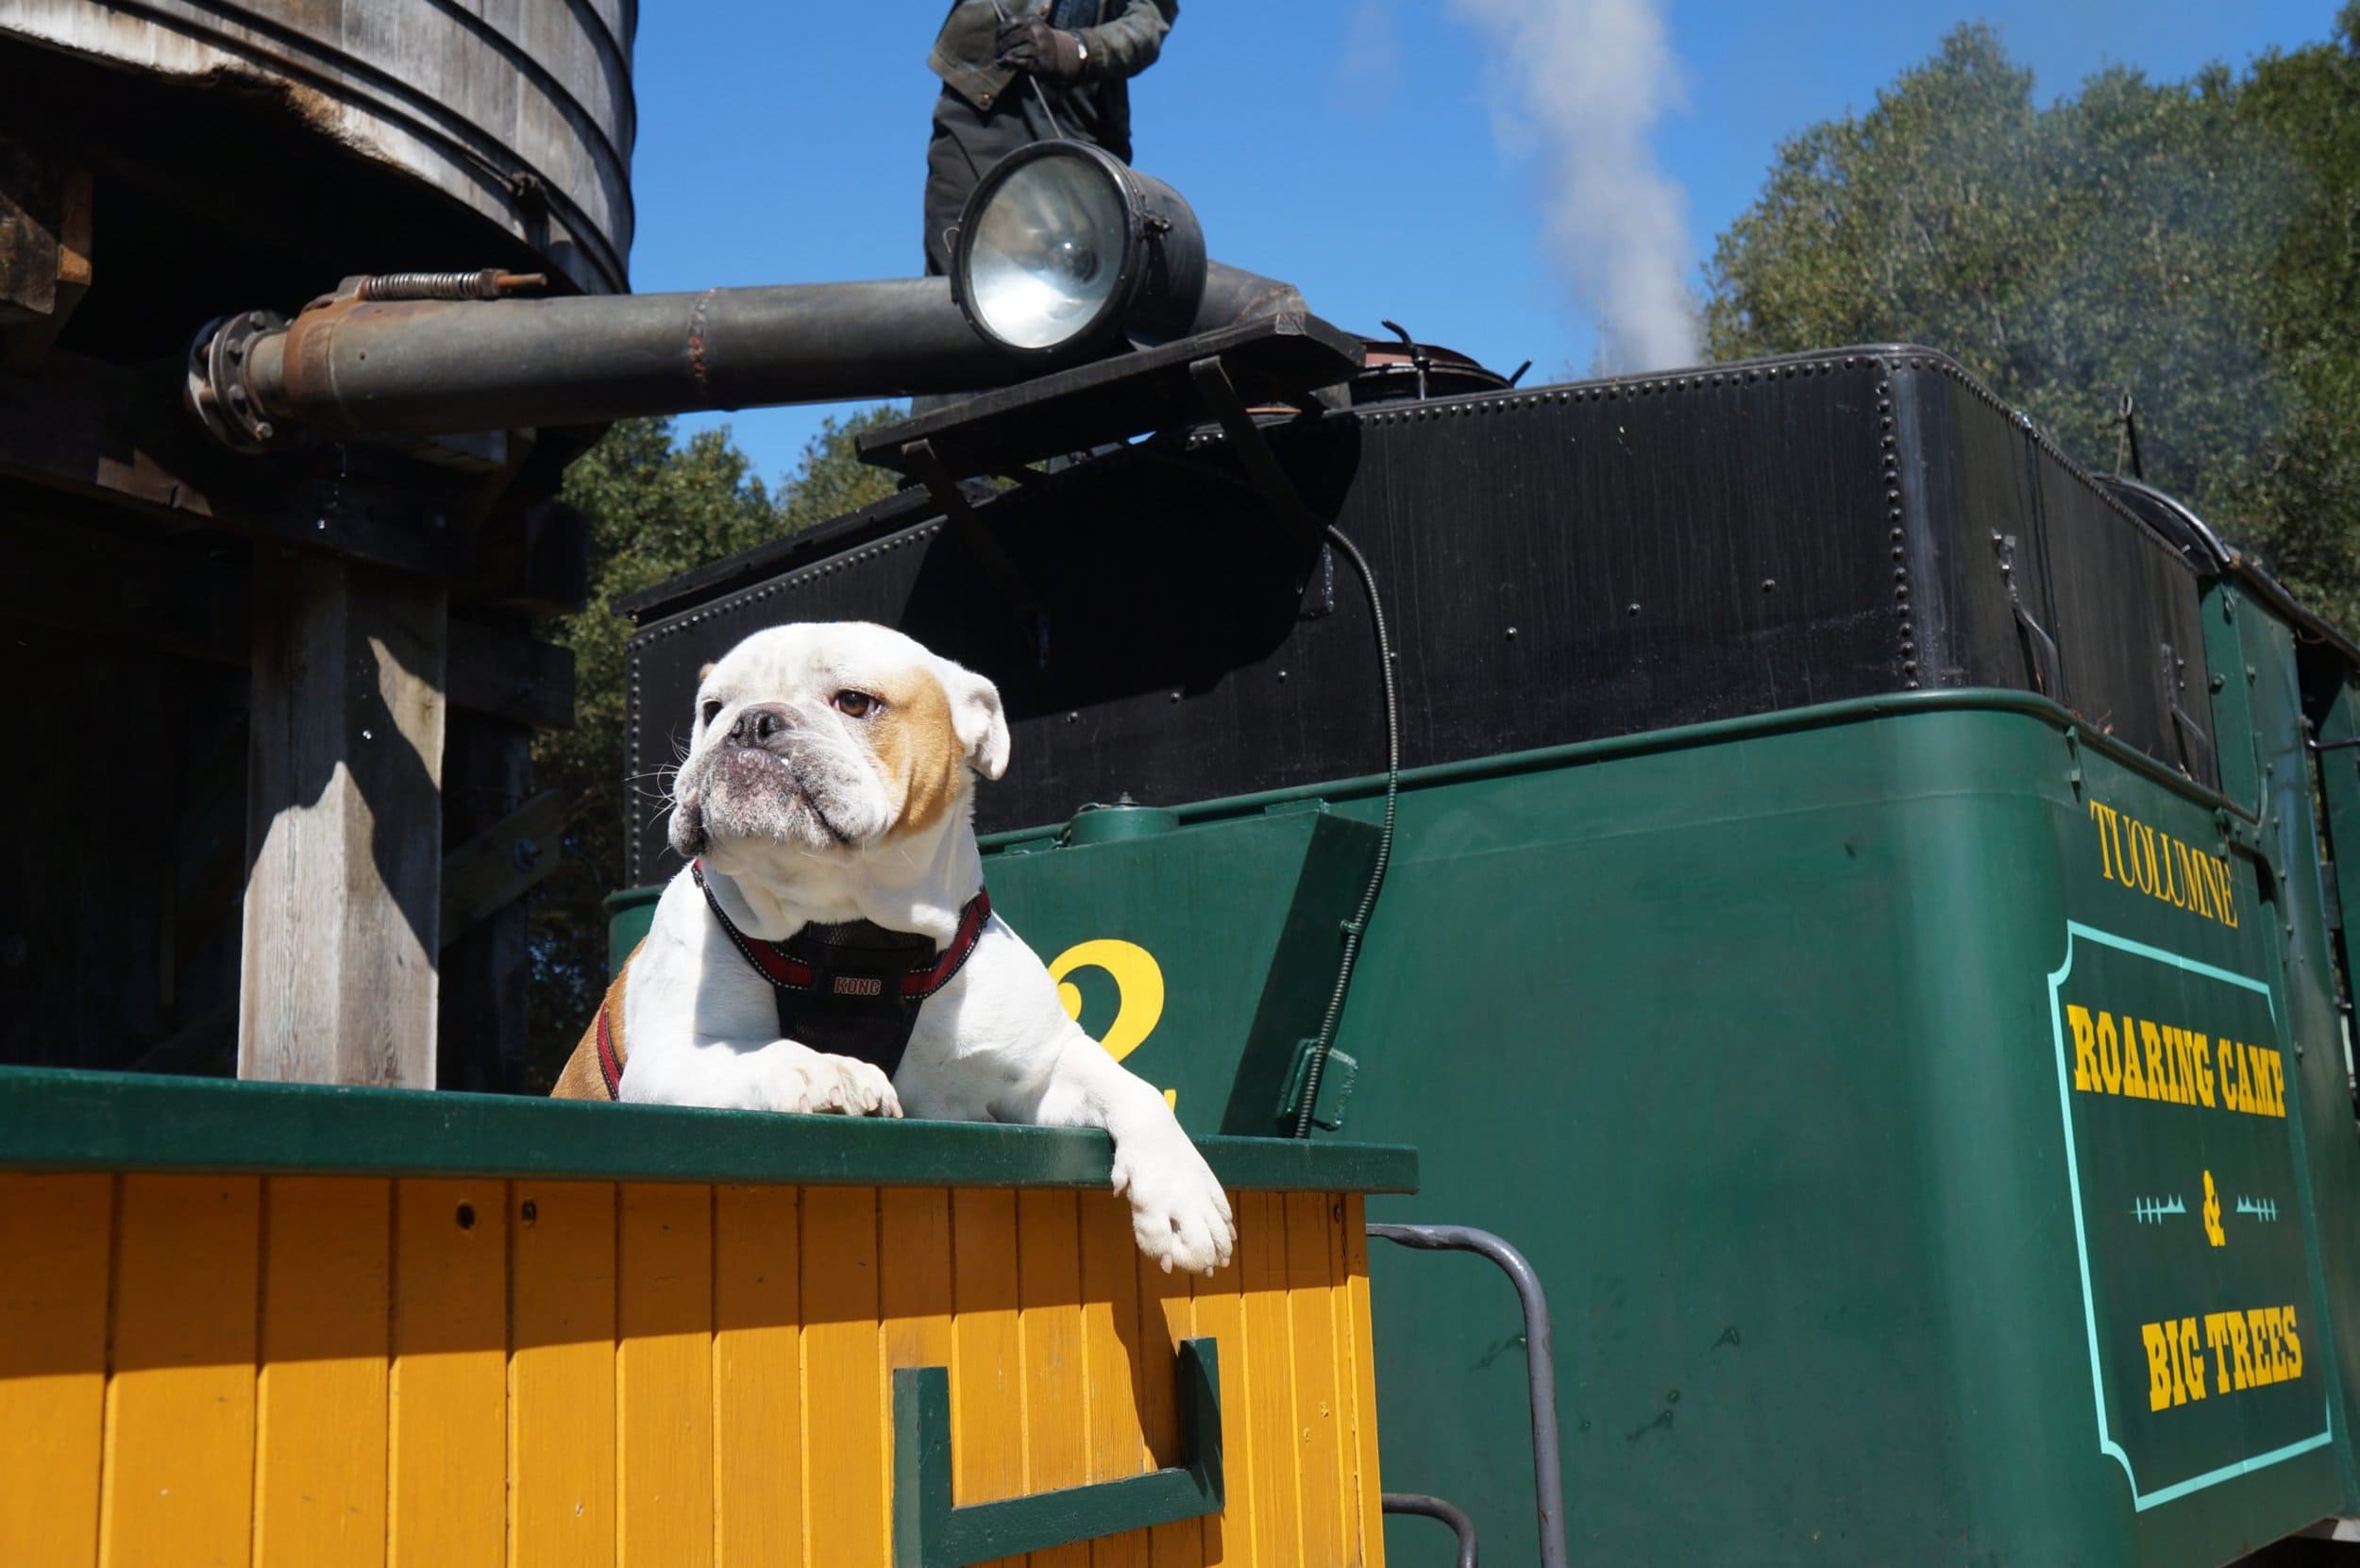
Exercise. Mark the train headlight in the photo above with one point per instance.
(1063, 243)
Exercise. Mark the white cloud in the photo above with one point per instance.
(1581, 83)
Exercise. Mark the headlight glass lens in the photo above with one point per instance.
(1046, 252)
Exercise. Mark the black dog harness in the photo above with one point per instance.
(854, 989)
(847, 990)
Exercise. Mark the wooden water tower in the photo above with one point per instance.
(271, 800)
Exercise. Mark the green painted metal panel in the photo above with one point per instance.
(1201, 956)
(1798, 1154)
(629, 914)
(2337, 704)
(1757, 1038)
(54, 1120)
(2287, 841)
(2236, 744)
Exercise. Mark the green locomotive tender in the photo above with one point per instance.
(1862, 915)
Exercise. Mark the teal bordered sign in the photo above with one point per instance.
(2197, 1282)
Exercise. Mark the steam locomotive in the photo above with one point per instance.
(1861, 915)
(1837, 909)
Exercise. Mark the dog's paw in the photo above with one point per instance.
(1179, 1214)
(838, 1086)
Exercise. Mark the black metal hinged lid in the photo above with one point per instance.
(1560, 564)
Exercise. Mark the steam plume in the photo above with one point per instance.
(1585, 81)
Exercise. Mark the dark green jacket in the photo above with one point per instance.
(1123, 38)
(985, 113)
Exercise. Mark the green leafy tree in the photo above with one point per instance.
(2189, 243)
(656, 508)
(2309, 103)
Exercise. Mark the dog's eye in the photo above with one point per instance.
(710, 712)
(854, 704)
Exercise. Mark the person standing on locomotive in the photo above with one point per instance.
(1080, 56)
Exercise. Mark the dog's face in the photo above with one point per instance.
(829, 739)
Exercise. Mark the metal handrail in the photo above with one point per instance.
(1548, 1477)
(1435, 1507)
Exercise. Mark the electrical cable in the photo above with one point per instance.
(1317, 1066)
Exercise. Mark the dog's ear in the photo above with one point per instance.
(705, 673)
(975, 714)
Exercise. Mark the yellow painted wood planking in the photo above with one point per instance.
(1360, 1357)
(1048, 1291)
(53, 1377)
(1218, 1311)
(664, 1378)
(447, 1393)
(1167, 1316)
(177, 1483)
(351, 1370)
(847, 1485)
(561, 1374)
(1116, 1442)
(320, 1424)
(757, 1377)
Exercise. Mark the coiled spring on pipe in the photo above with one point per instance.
(488, 283)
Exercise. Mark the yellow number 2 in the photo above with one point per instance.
(1139, 987)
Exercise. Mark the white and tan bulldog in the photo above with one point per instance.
(828, 782)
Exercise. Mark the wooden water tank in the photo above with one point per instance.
(516, 114)
(161, 163)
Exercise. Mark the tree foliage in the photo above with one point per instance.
(656, 508)
(2195, 245)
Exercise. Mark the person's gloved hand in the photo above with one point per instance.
(1031, 44)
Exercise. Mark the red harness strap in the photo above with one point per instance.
(782, 968)
(610, 1065)
(973, 917)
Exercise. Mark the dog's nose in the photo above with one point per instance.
(758, 724)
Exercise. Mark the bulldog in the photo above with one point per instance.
(830, 947)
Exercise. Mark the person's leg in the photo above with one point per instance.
(951, 174)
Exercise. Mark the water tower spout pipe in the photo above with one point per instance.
(355, 367)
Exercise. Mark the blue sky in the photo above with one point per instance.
(1376, 153)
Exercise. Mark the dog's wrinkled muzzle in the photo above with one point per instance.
(765, 726)
(773, 776)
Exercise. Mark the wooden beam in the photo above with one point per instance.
(533, 558)
(154, 594)
(31, 213)
(113, 588)
(344, 825)
(103, 432)
(44, 250)
(502, 863)
(503, 845)
(502, 673)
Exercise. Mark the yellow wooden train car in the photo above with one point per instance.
(279, 1326)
